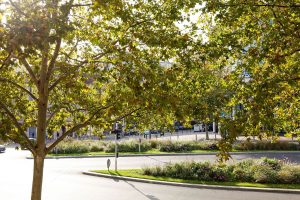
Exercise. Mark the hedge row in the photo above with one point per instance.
(266, 145)
(260, 171)
(84, 146)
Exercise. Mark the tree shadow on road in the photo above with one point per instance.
(156, 159)
(148, 196)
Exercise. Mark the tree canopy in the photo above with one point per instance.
(74, 64)
(258, 42)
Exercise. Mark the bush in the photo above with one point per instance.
(289, 174)
(84, 146)
(96, 148)
(242, 171)
(264, 174)
(260, 171)
(154, 144)
(221, 173)
(71, 148)
(200, 171)
(127, 146)
(273, 163)
(266, 145)
(175, 147)
(169, 146)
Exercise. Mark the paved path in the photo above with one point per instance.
(63, 181)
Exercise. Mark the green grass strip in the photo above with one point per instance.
(137, 173)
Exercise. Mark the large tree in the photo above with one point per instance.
(74, 64)
(259, 42)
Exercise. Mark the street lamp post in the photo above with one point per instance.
(116, 152)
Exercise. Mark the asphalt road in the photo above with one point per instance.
(63, 180)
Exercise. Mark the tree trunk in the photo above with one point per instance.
(38, 169)
(206, 130)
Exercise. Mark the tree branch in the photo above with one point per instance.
(5, 60)
(81, 5)
(280, 23)
(17, 8)
(125, 115)
(51, 116)
(53, 60)
(29, 70)
(19, 86)
(56, 82)
(75, 128)
(262, 5)
(28, 144)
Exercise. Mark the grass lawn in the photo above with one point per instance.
(137, 173)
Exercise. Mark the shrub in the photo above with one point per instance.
(244, 146)
(273, 163)
(264, 174)
(261, 171)
(147, 171)
(169, 146)
(127, 146)
(266, 145)
(242, 171)
(154, 144)
(221, 173)
(96, 148)
(289, 174)
(201, 171)
(71, 147)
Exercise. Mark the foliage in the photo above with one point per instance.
(265, 145)
(259, 171)
(70, 146)
(184, 146)
(66, 146)
(128, 146)
(243, 172)
(137, 173)
(289, 174)
(72, 66)
(262, 77)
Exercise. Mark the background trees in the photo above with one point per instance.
(258, 41)
(242, 66)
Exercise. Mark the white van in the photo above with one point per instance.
(197, 127)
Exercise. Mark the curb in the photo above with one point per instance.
(190, 185)
(166, 154)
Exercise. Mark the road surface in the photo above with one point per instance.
(63, 181)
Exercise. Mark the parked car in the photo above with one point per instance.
(152, 132)
(2, 148)
(131, 132)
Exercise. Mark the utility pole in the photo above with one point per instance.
(140, 142)
(116, 152)
(116, 130)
